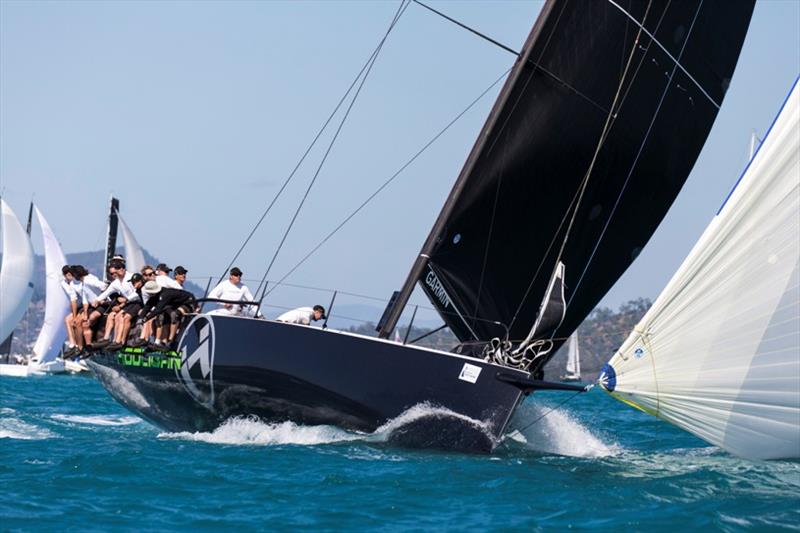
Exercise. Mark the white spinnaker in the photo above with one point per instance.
(53, 332)
(718, 353)
(16, 271)
(134, 256)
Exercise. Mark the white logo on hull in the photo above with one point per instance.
(470, 373)
(197, 360)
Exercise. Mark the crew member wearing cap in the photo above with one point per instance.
(180, 275)
(163, 279)
(166, 305)
(234, 290)
(109, 302)
(71, 319)
(303, 315)
(130, 309)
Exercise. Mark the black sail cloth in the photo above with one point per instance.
(490, 260)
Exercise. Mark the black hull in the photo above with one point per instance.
(228, 367)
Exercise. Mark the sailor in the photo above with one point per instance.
(88, 286)
(303, 315)
(163, 279)
(131, 307)
(180, 275)
(82, 283)
(168, 305)
(231, 289)
(118, 293)
(71, 319)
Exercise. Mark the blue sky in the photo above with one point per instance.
(193, 114)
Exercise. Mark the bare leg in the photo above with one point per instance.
(110, 321)
(69, 321)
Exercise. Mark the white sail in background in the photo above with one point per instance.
(16, 271)
(718, 354)
(134, 256)
(573, 367)
(51, 337)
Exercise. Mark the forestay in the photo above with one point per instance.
(589, 142)
(718, 354)
(16, 271)
(53, 332)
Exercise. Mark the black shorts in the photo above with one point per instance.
(103, 308)
(132, 308)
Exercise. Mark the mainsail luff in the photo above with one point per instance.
(16, 271)
(717, 353)
(496, 243)
(57, 306)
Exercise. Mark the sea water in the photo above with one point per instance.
(71, 458)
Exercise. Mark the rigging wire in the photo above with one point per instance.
(399, 13)
(636, 159)
(313, 142)
(391, 178)
(558, 406)
(476, 32)
(577, 199)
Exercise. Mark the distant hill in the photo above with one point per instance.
(599, 336)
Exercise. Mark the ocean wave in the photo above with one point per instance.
(99, 420)
(252, 431)
(13, 428)
(540, 429)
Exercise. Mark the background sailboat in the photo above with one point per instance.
(51, 337)
(16, 275)
(134, 255)
(573, 367)
(718, 354)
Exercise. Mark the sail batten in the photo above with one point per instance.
(718, 353)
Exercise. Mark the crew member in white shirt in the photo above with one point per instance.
(125, 291)
(231, 289)
(163, 279)
(180, 276)
(303, 315)
(71, 320)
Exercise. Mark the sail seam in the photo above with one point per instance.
(371, 64)
(663, 49)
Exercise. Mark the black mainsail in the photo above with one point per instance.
(590, 141)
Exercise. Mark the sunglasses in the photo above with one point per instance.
(149, 273)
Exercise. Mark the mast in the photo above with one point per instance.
(111, 234)
(393, 314)
(30, 220)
